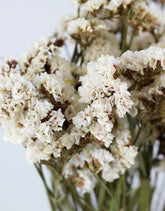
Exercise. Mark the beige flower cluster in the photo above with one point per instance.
(80, 110)
(36, 98)
(94, 5)
(42, 110)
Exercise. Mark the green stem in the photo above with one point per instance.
(131, 40)
(74, 53)
(74, 196)
(67, 202)
(78, 12)
(108, 192)
(49, 192)
(124, 35)
(101, 197)
(123, 195)
(138, 134)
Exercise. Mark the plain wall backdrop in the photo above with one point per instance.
(22, 23)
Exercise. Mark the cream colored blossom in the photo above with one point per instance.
(113, 5)
(34, 94)
(94, 5)
(124, 158)
(142, 41)
(90, 5)
(139, 60)
(86, 114)
(107, 44)
(99, 82)
(82, 25)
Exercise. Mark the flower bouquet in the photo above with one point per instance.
(88, 104)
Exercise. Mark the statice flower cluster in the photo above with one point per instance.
(80, 109)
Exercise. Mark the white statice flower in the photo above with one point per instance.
(65, 20)
(8, 65)
(105, 95)
(127, 153)
(157, 13)
(68, 140)
(72, 137)
(36, 152)
(142, 41)
(124, 158)
(148, 17)
(98, 78)
(155, 88)
(61, 65)
(111, 172)
(107, 44)
(90, 5)
(35, 60)
(123, 136)
(95, 157)
(74, 107)
(139, 60)
(111, 164)
(79, 114)
(28, 122)
(82, 27)
(54, 85)
(47, 128)
(95, 119)
(104, 135)
(121, 98)
(83, 119)
(34, 94)
(90, 153)
(99, 82)
(147, 67)
(78, 25)
(94, 5)
(15, 92)
(100, 108)
(85, 181)
(161, 42)
(113, 5)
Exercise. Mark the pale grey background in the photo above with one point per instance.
(23, 22)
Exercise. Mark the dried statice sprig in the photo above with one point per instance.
(35, 94)
(42, 110)
(107, 44)
(88, 116)
(96, 5)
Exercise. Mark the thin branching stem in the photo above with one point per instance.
(124, 33)
(131, 40)
(49, 192)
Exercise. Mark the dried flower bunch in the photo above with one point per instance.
(86, 118)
